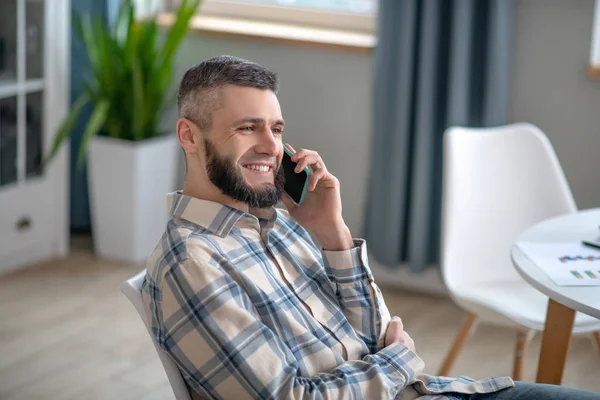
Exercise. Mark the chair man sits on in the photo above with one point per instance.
(132, 289)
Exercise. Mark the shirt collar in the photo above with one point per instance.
(215, 217)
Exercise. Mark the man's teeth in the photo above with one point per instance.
(262, 168)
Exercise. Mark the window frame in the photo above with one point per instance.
(285, 15)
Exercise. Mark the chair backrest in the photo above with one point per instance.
(496, 183)
(132, 288)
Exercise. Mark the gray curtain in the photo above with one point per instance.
(437, 63)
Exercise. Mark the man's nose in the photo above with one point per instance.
(268, 143)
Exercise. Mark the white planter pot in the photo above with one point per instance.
(128, 185)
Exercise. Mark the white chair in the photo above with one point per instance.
(496, 183)
(132, 288)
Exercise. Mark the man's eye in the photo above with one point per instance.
(246, 128)
(277, 130)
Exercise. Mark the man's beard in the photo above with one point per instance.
(224, 174)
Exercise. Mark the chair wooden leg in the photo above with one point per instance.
(523, 339)
(597, 341)
(459, 341)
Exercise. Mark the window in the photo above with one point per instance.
(351, 15)
(345, 6)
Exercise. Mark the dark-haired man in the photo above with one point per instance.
(238, 294)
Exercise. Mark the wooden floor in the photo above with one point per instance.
(66, 332)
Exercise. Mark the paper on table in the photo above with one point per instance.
(567, 264)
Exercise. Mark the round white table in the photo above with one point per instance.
(564, 300)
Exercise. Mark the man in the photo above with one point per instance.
(240, 296)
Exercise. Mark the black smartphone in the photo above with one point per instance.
(296, 184)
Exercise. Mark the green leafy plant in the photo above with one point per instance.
(131, 71)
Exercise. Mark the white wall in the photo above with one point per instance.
(326, 100)
(551, 90)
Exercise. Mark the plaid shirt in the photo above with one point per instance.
(249, 307)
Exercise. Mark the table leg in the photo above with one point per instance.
(555, 343)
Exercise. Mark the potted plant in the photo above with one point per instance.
(132, 164)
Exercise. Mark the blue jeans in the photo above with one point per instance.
(535, 391)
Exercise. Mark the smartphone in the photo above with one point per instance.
(296, 184)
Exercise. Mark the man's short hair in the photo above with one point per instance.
(199, 95)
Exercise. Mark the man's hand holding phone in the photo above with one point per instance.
(321, 209)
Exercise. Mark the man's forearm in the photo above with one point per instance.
(335, 236)
(358, 295)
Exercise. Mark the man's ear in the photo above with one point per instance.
(186, 133)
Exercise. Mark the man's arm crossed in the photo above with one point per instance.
(359, 295)
(225, 351)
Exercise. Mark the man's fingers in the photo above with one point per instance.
(303, 163)
(409, 342)
(398, 320)
(308, 159)
(298, 154)
(391, 336)
(303, 153)
(396, 325)
(394, 331)
(304, 158)
(314, 179)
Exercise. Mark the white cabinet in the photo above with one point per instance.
(34, 71)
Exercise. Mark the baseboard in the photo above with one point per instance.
(28, 256)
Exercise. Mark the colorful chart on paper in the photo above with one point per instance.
(567, 264)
